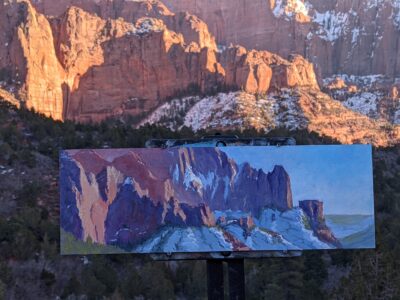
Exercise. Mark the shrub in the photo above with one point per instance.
(27, 158)
(48, 278)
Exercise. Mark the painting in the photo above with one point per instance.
(206, 199)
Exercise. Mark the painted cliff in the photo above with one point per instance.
(144, 200)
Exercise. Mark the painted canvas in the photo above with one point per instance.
(205, 199)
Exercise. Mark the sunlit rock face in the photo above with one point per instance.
(96, 62)
(27, 53)
(353, 37)
(91, 60)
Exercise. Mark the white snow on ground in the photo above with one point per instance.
(274, 230)
(169, 112)
(234, 109)
(190, 239)
(364, 103)
(211, 112)
(6, 171)
(372, 95)
(286, 110)
(292, 226)
(260, 239)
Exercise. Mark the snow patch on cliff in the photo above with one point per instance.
(373, 3)
(332, 24)
(146, 25)
(355, 33)
(366, 80)
(396, 13)
(396, 119)
(289, 8)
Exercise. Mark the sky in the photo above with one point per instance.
(338, 175)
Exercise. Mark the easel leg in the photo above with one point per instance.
(236, 279)
(215, 279)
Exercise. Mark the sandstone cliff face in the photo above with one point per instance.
(341, 36)
(258, 71)
(138, 71)
(97, 59)
(31, 58)
(97, 68)
(192, 28)
(149, 63)
(141, 58)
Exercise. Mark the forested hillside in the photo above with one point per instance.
(31, 267)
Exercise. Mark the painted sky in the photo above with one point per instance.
(339, 175)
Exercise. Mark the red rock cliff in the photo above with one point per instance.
(86, 68)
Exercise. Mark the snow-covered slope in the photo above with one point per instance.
(231, 110)
(293, 226)
(192, 239)
(343, 114)
(274, 230)
(375, 96)
(364, 103)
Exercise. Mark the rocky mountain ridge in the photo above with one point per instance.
(145, 59)
(341, 36)
(87, 61)
(352, 37)
(301, 108)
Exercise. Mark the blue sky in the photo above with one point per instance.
(338, 175)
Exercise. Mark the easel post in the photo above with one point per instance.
(215, 279)
(236, 279)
